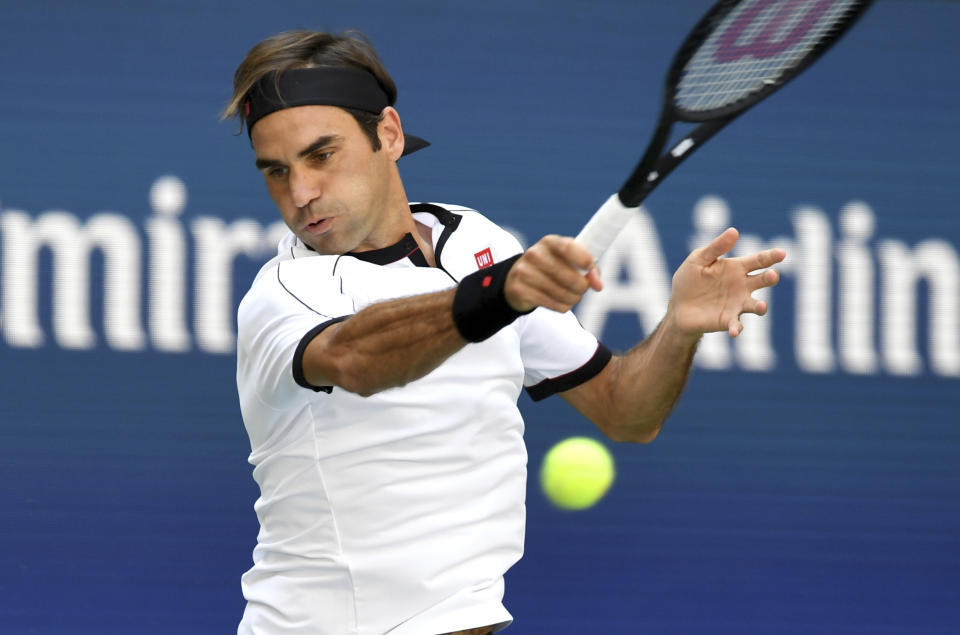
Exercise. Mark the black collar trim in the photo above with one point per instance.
(448, 219)
(407, 247)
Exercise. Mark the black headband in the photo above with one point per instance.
(320, 86)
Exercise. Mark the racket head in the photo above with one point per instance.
(741, 51)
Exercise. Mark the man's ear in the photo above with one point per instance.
(390, 131)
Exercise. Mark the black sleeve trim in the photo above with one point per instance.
(302, 346)
(574, 378)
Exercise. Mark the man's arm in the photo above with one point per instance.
(631, 398)
(385, 345)
(392, 343)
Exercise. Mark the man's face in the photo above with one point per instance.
(331, 188)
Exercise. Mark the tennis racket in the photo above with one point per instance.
(739, 53)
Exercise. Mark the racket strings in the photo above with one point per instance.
(753, 46)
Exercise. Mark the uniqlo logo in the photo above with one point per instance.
(484, 258)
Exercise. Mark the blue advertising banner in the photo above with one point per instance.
(807, 481)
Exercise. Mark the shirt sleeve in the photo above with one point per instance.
(558, 353)
(286, 308)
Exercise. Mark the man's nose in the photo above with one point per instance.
(304, 187)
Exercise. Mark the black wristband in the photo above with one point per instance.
(479, 306)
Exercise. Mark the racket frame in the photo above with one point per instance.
(652, 167)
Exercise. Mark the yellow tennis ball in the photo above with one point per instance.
(576, 473)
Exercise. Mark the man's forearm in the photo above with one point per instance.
(385, 345)
(648, 380)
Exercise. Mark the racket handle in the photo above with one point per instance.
(603, 227)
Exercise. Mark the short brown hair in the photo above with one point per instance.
(304, 49)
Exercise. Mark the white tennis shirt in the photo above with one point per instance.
(396, 513)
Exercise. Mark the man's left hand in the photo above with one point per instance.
(711, 292)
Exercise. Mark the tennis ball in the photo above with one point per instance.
(576, 473)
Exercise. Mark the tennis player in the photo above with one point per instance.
(382, 351)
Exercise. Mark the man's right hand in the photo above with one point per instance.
(554, 273)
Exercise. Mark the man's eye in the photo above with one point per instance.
(321, 155)
(276, 172)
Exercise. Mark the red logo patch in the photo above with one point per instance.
(484, 258)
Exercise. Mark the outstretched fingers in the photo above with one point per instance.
(763, 259)
(719, 246)
(757, 307)
(768, 278)
(711, 292)
(735, 327)
(750, 305)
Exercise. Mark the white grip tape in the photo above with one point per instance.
(603, 227)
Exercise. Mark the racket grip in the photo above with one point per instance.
(603, 227)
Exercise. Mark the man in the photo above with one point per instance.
(382, 352)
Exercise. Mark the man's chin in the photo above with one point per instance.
(323, 246)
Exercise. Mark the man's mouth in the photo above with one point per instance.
(318, 227)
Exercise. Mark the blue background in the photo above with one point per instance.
(773, 502)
